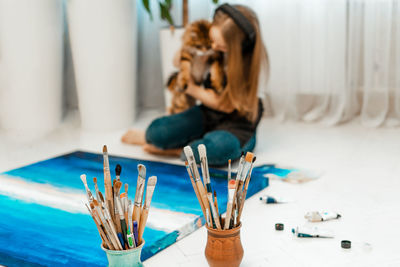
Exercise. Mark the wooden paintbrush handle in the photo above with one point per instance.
(198, 196)
(142, 224)
(126, 220)
(119, 229)
(228, 215)
(103, 235)
(242, 204)
(136, 214)
(109, 233)
(202, 193)
(113, 235)
(105, 240)
(214, 213)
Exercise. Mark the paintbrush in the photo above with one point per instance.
(241, 176)
(237, 184)
(117, 221)
(97, 189)
(216, 202)
(99, 225)
(231, 192)
(196, 175)
(105, 221)
(108, 217)
(195, 188)
(245, 190)
(96, 210)
(229, 170)
(115, 211)
(118, 170)
(151, 184)
(103, 236)
(204, 167)
(122, 218)
(139, 193)
(130, 236)
(208, 218)
(130, 219)
(214, 212)
(88, 193)
(107, 183)
(229, 175)
(124, 204)
(135, 232)
(246, 168)
(240, 166)
(207, 182)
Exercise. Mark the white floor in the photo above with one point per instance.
(361, 181)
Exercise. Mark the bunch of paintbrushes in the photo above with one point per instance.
(120, 222)
(237, 188)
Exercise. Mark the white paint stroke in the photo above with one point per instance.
(72, 200)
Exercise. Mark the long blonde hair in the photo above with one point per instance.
(243, 68)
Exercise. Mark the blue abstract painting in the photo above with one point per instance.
(44, 221)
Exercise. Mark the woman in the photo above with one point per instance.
(226, 124)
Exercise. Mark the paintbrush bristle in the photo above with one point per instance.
(249, 157)
(152, 181)
(122, 195)
(202, 151)
(126, 188)
(95, 180)
(101, 197)
(188, 152)
(104, 149)
(92, 205)
(118, 170)
(95, 202)
(117, 187)
(231, 184)
(83, 178)
(254, 159)
(142, 171)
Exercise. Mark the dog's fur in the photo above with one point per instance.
(197, 62)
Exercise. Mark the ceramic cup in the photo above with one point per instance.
(124, 258)
(224, 247)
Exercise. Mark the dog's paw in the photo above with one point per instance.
(182, 82)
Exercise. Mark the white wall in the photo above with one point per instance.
(150, 83)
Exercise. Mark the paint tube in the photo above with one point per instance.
(308, 232)
(316, 216)
(273, 200)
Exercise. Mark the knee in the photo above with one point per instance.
(158, 133)
(250, 145)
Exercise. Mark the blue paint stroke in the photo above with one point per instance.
(36, 234)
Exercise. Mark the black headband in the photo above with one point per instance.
(243, 23)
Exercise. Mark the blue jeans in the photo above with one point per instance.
(187, 128)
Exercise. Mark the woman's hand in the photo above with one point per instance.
(207, 96)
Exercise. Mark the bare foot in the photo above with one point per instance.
(176, 152)
(134, 137)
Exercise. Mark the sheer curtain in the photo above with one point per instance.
(332, 60)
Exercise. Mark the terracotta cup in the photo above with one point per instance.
(224, 247)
